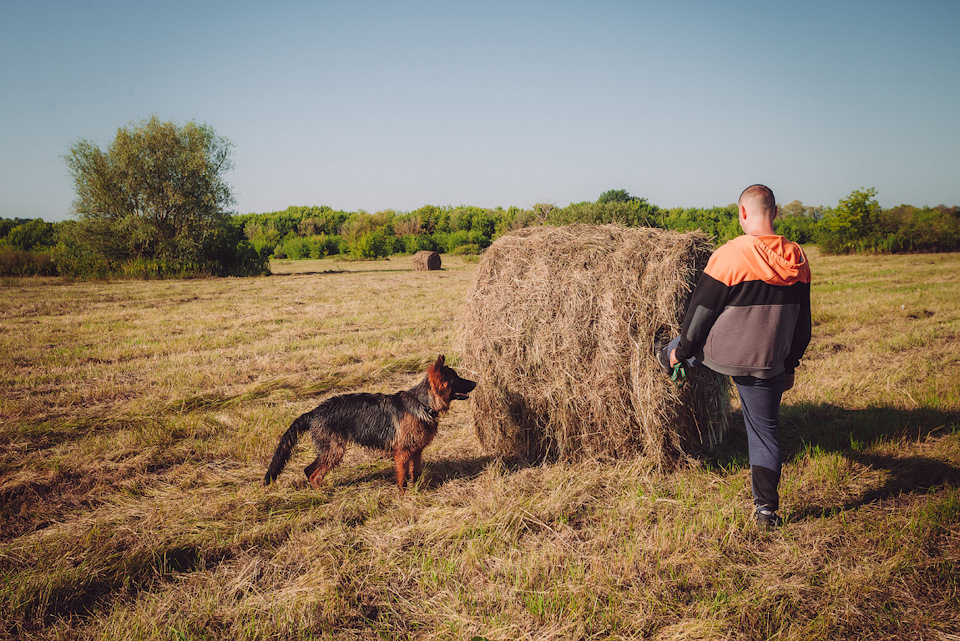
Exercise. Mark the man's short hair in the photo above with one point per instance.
(761, 196)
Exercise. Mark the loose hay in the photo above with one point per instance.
(559, 328)
(426, 261)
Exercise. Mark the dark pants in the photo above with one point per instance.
(760, 402)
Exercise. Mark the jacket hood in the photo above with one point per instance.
(774, 259)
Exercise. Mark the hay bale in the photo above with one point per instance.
(559, 329)
(426, 261)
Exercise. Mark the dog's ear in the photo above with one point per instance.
(440, 389)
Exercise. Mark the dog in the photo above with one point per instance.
(400, 424)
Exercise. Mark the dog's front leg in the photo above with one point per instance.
(402, 462)
(416, 466)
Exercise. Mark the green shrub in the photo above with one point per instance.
(613, 207)
(413, 243)
(34, 234)
(799, 229)
(372, 245)
(296, 248)
(323, 245)
(928, 230)
(17, 262)
(470, 249)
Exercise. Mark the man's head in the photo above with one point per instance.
(758, 209)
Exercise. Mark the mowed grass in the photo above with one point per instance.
(138, 419)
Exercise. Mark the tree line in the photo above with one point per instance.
(856, 225)
(155, 203)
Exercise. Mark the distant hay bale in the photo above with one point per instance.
(559, 329)
(426, 261)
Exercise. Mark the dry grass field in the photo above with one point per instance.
(137, 420)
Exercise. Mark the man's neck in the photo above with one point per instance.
(759, 228)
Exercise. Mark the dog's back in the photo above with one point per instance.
(365, 419)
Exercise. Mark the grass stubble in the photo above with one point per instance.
(138, 418)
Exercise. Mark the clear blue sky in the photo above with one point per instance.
(373, 105)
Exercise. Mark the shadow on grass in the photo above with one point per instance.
(308, 273)
(436, 473)
(364, 269)
(441, 472)
(825, 428)
(907, 475)
(835, 429)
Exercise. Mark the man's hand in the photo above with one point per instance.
(788, 380)
(673, 357)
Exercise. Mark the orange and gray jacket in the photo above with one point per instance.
(749, 314)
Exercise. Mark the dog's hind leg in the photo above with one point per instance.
(326, 461)
(312, 470)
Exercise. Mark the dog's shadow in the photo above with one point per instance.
(436, 473)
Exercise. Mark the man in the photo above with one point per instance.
(749, 318)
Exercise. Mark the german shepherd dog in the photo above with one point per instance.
(400, 425)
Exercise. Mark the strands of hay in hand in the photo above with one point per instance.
(560, 328)
(426, 261)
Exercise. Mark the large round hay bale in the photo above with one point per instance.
(559, 329)
(426, 261)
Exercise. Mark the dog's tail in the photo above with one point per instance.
(287, 442)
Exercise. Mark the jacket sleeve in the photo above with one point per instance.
(707, 301)
(802, 331)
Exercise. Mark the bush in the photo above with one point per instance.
(858, 224)
(632, 211)
(720, 223)
(32, 235)
(262, 245)
(799, 229)
(372, 245)
(413, 243)
(17, 262)
(294, 248)
(448, 243)
(470, 249)
(225, 252)
(927, 230)
(323, 245)
(853, 226)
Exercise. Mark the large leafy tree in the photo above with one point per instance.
(157, 193)
(615, 196)
(853, 225)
